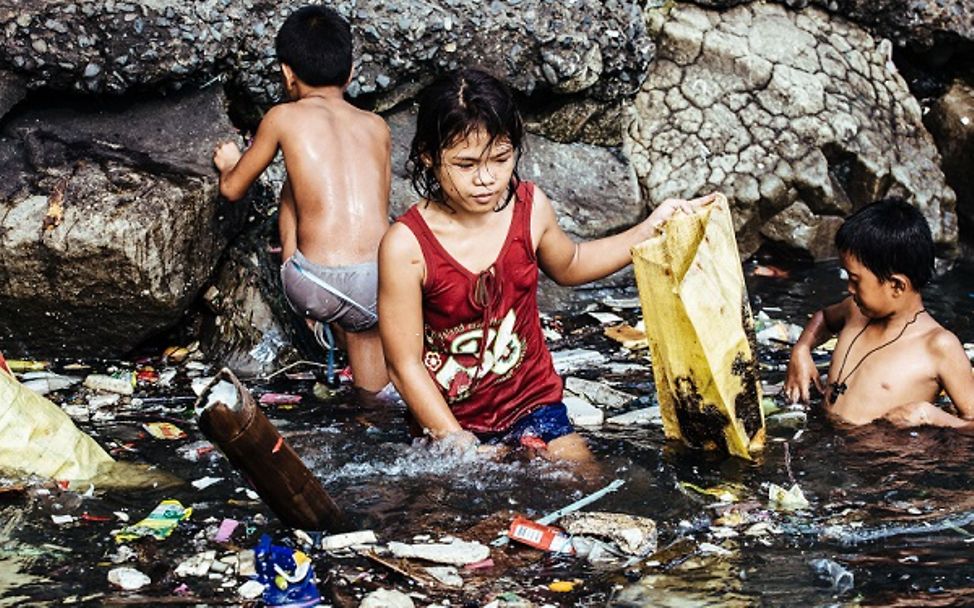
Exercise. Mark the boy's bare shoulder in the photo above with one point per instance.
(942, 342)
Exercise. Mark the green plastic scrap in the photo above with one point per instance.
(159, 524)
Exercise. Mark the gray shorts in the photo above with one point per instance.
(332, 294)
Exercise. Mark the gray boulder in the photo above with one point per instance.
(596, 47)
(951, 121)
(12, 91)
(776, 108)
(111, 222)
(918, 23)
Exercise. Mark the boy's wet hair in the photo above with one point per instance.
(451, 108)
(316, 42)
(889, 237)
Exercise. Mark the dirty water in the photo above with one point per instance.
(885, 505)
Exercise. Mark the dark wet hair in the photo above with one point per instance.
(889, 237)
(451, 108)
(316, 42)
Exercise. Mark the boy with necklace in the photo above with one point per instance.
(334, 204)
(892, 358)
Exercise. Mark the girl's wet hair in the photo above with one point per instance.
(451, 108)
(889, 237)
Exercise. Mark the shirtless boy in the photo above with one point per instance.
(334, 205)
(891, 358)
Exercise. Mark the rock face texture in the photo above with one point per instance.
(951, 121)
(109, 222)
(786, 113)
(918, 23)
(113, 45)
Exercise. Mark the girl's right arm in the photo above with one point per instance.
(401, 269)
(802, 372)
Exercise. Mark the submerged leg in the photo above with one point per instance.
(367, 361)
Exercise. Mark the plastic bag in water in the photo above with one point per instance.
(833, 574)
(287, 575)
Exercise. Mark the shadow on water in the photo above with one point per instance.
(878, 497)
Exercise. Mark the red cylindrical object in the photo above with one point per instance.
(255, 447)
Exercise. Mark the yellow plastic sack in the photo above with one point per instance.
(38, 438)
(700, 330)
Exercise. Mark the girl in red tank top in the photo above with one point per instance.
(458, 275)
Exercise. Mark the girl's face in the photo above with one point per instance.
(475, 173)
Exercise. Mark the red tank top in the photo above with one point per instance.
(488, 385)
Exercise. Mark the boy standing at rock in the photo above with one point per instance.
(892, 358)
(334, 204)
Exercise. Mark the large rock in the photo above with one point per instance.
(951, 121)
(12, 91)
(248, 326)
(111, 222)
(599, 47)
(593, 189)
(919, 23)
(776, 108)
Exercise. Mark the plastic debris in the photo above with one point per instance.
(225, 531)
(205, 482)
(633, 338)
(605, 318)
(576, 358)
(43, 383)
(791, 499)
(770, 271)
(197, 565)
(621, 303)
(597, 392)
(780, 332)
(631, 534)
(562, 586)
(196, 451)
(279, 399)
(123, 384)
(583, 413)
(287, 575)
(18, 366)
(539, 536)
(250, 590)
(128, 579)
(159, 524)
(387, 598)
(833, 574)
(349, 539)
(790, 420)
(575, 506)
(164, 430)
(447, 575)
(457, 553)
(647, 415)
(723, 493)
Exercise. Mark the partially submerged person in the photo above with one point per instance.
(892, 358)
(334, 205)
(458, 277)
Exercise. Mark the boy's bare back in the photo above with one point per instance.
(337, 159)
